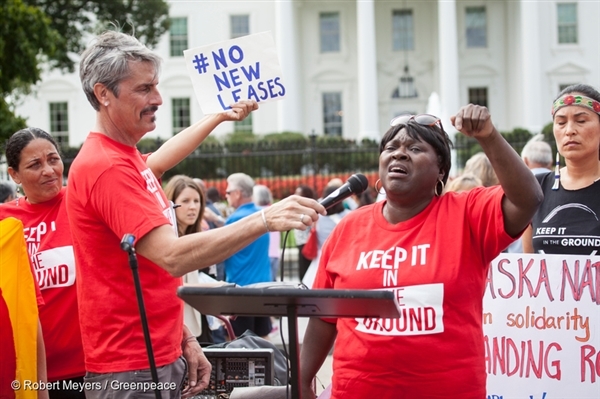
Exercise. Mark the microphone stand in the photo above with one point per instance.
(127, 246)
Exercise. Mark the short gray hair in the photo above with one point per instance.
(242, 182)
(262, 195)
(107, 59)
(538, 151)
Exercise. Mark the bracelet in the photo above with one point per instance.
(264, 218)
(188, 339)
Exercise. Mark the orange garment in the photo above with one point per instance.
(18, 290)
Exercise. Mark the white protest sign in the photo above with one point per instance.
(245, 68)
(541, 325)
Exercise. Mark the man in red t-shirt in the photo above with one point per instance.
(112, 193)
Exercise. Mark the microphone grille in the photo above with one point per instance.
(358, 183)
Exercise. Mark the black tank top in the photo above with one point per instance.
(568, 221)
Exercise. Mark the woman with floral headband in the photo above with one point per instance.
(568, 221)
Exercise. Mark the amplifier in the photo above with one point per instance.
(232, 368)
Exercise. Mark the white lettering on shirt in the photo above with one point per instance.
(421, 313)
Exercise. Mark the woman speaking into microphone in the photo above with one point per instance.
(433, 250)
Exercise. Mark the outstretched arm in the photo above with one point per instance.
(522, 192)
(181, 255)
(185, 142)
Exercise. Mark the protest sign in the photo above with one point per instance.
(542, 327)
(245, 68)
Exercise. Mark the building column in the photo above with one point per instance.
(289, 110)
(368, 105)
(531, 67)
(448, 68)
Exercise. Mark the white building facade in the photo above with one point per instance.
(350, 66)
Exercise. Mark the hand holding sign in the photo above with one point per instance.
(246, 68)
(240, 110)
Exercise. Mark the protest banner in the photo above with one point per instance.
(245, 68)
(542, 327)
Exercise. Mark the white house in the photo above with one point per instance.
(351, 65)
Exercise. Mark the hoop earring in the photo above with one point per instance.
(435, 191)
(379, 189)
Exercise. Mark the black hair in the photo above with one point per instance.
(306, 191)
(19, 140)
(584, 89)
(213, 194)
(433, 135)
(7, 190)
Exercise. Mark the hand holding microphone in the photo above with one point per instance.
(356, 184)
(297, 212)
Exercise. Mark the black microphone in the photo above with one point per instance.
(356, 184)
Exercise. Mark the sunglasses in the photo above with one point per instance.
(421, 119)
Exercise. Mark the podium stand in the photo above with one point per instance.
(291, 303)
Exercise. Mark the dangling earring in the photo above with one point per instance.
(435, 190)
(379, 189)
(556, 184)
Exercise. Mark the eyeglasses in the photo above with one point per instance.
(421, 119)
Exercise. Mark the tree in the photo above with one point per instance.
(52, 32)
(26, 38)
(147, 20)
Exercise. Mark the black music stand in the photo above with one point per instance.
(292, 303)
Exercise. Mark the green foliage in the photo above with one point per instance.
(287, 160)
(240, 141)
(210, 141)
(25, 34)
(68, 154)
(518, 138)
(285, 137)
(548, 132)
(147, 20)
(9, 123)
(149, 144)
(39, 32)
(25, 38)
(285, 154)
(466, 147)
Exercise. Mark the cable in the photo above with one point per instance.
(285, 352)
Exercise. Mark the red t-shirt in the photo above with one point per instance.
(50, 249)
(436, 264)
(112, 193)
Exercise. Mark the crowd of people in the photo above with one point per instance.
(91, 327)
(90, 324)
